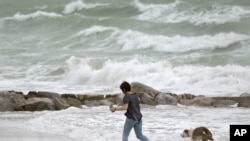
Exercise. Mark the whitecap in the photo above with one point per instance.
(79, 5)
(95, 30)
(134, 40)
(129, 40)
(205, 80)
(37, 14)
(173, 13)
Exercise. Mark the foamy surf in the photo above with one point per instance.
(160, 122)
(79, 5)
(173, 13)
(90, 47)
(93, 30)
(131, 40)
(37, 14)
(135, 40)
(213, 80)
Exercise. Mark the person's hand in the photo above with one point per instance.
(112, 108)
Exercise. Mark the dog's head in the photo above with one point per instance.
(185, 133)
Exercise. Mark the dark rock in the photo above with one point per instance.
(43, 100)
(92, 103)
(39, 104)
(146, 98)
(186, 96)
(48, 94)
(245, 95)
(43, 106)
(31, 94)
(96, 100)
(203, 101)
(73, 102)
(197, 101)
(60, 104)
(42, 94)
(165, 99)
(223, 103)
(84, 98)
(69, 96)
(245, 103)
(11, 101)
(105, 102)
(138, 87)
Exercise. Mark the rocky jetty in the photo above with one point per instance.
(42, 100)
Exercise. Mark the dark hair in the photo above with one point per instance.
(125, 86)
(186, 131)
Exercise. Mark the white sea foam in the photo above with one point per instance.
(132, 40)
(159, 123)
(79, 5)
(217, 80)
(215, 15)
(105, 51)
(151, 11)
(95, 30)
(171, 13)
(37, 14)
(135, 40)
(89, 75)
(103, 75)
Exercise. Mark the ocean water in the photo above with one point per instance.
(91, 46)
(160, 123)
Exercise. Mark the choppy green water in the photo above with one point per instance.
(192, 46)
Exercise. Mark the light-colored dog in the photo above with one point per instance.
(199, 133)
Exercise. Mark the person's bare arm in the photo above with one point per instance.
(123, 107)
(118, 108)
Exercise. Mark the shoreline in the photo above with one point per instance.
(99, 124)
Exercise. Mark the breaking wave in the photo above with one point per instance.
(174, 13)
(37, 14)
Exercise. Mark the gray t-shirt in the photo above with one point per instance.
(133, 111)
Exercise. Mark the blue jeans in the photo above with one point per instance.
(137, 125)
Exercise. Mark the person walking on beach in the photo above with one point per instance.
(133, 113)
